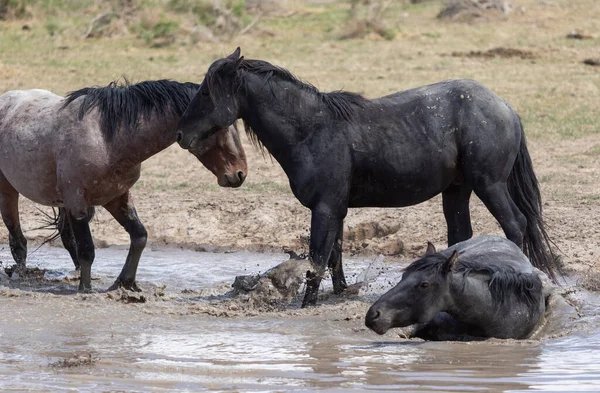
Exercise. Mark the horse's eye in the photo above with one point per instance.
(424, 284)
(204, 92)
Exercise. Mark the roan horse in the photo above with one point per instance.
(86, 150)
(341, 150)
(482, 287)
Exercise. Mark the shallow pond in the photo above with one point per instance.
(179, 341)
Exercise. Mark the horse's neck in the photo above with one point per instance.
(152, 135)
(281, 114)
(470, 299)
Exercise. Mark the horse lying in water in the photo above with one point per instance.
(482, 287)
(86, 150)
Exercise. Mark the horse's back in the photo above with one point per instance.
(452, 92)
(492, 250)
(24, 105)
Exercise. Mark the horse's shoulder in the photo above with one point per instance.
(493, 251)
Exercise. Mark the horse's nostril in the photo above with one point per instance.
(373, 315)
(241, 176)
(179, 136)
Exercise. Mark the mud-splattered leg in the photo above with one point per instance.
(9, 207)
(325, 224)
(123, 211)
(85, 249)
(335, 263)
(66, 233)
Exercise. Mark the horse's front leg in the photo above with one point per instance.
(123, 211)
(324, 228)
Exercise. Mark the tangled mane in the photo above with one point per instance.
(503, 279)
(121, 104)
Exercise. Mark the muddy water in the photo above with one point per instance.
(188, 337)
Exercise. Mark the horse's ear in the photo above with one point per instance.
(238, 62)
(430, 249)
(232, 65)
(236, 54)
(450, 262)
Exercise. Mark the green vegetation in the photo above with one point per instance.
(556, 95)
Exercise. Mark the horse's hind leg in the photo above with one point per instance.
(84, 245)
(9, 207)
(335, 263)
(498, 201)
(123, 211)
(456, 211)
(67, 236)
(66, 233)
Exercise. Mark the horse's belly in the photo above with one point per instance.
(389, 198)
(387, 190)
(34, 180)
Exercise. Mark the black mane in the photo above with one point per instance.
(121, 103)
(342, 104)
(503, 279)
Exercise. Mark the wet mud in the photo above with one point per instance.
(194, 331)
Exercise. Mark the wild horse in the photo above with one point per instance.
(482, 287)
(86, 150)
(341, 150)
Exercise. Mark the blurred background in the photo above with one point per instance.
(542, 56)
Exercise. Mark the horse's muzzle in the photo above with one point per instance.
(233, 180)
(184, 143)
(373, 321)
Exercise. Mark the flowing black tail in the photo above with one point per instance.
(525, 192)
(58, 222)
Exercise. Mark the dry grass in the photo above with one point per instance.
(306, 43)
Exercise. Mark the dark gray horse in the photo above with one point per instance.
(484, 287)
(341, 150)
(86, 150)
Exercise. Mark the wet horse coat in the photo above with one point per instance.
(484, 287)
(341, 150)
(86, 150)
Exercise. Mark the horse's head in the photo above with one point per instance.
(419, 296)
(223, 154)
(214, 106)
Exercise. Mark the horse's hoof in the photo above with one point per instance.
(310, 299)
(340, 289)
(134, 287)
(130, 286)
(83, 289)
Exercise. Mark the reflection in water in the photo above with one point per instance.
(568, 364)
(155, 350)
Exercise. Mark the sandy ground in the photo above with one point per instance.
(185, 207)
